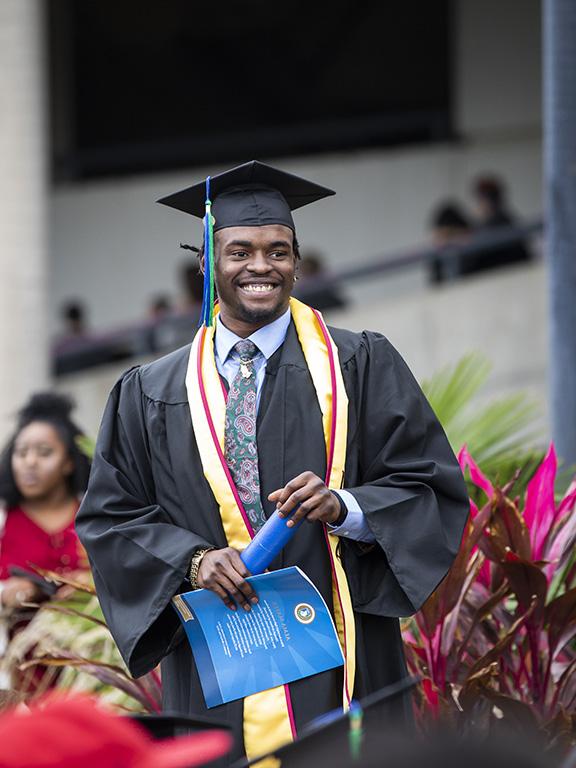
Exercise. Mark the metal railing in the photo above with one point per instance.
(161, 336)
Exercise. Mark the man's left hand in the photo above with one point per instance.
(316, 501)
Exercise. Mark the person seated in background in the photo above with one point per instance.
(43, 473)
(192, 282)
(161, 333)
(493, 211)
(450, 227)
(74, 324)
(313, 287)
(160, 308)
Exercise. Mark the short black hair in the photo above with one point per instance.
(73, 310)
(53, 409)
(450, 214)
(491, 188)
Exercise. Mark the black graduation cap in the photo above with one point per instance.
(168, 725)
(251, 195)
(354, 738)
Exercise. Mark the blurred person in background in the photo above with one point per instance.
(450, 227)
(75, 325)
(74, 335)
(161, 333)
(313, 287)
(160, 308)
(493, 211)
(192, 282)
(43, 474)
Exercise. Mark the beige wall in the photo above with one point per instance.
(23, 248)
(114, 248)
(501, 314)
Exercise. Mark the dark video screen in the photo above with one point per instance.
(138, 86)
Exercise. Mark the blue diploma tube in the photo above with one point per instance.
(268, 543)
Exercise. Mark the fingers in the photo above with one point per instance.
(223, 572)
(282, 495)
(306, 496)
(297, 491)
(244, 589)
(301, 496)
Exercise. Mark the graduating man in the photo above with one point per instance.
(268, 409)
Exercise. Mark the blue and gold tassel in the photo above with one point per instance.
(207, 314)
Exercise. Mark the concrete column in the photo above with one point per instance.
(560, 180)
(23, 206)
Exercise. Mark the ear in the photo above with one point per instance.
(68, 468)
(201, 262)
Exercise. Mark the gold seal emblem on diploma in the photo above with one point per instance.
(304, 613)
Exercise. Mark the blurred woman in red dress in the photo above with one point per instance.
(43, 473)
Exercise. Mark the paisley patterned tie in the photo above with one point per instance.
(240, 446)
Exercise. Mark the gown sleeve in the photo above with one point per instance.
(409, 487)
(139, 557)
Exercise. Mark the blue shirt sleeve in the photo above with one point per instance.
(355, 526)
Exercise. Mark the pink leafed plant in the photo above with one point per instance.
(496, 641)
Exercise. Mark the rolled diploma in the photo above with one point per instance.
(268, 543)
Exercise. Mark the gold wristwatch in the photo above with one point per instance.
(195, 566)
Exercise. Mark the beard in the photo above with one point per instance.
(257, 316)
(251, 315)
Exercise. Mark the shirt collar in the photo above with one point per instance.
(267, 339)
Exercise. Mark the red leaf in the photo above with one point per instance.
(476, 475)
(529, 585)
(431, 696)
(540, 508)
(563, 535)
(496, 651)
(560, 613)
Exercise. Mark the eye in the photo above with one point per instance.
(239, 255)
(44, 451)
(278, 255)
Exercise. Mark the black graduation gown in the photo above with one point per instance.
(148, 508)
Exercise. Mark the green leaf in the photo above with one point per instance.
(502, 434)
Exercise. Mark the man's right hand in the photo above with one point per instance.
(223, 572)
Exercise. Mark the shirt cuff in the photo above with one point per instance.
(355, 526)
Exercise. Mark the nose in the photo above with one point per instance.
(258, 263)
(30, 458)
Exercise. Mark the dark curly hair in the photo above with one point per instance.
(55, 410)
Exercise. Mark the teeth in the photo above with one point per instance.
(258, 287)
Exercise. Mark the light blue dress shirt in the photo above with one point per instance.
(268, 339)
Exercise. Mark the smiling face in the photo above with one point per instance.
(254, 274)
(40, 461)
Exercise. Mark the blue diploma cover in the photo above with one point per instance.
(288, 635)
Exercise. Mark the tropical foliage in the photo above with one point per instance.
(501, 434)
(496, 640)
(70, 639)
(494, 644)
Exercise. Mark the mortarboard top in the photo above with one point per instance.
(167, 725)
(250, 195)
(344, 740)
